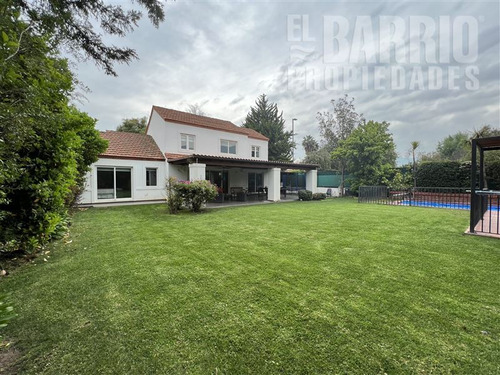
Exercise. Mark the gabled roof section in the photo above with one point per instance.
(123, 145)
(205, 122)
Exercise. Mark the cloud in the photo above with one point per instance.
(222, 55)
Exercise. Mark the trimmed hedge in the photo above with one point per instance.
(454, 174)
(493, 175)
(305, 195)
(443, 174)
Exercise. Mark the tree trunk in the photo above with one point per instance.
(342, 172)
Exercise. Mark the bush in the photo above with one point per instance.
(193, 194)
(318, 196)
(174, 200)
(46, 145)
(443, 174)
(492, 170)
(305, 195)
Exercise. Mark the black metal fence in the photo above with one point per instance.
(485, 212)
(456, 198)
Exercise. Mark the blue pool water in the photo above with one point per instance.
(440, 205)
(435, 204)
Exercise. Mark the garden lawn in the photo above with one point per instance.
(304, 287)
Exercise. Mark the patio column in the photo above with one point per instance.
(312, 180)
(197, 171)
(272, 181)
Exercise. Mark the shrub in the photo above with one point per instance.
(305, 195)
(174, 200)
(318, 196)
(443, 174)
(46, 145)
(195, 193)
(492, 170)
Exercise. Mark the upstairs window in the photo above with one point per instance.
(255, 152)
(187, 142)
(228, 147)
(151, 177)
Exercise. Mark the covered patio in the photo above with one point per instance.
(485, 203)
(240, 180)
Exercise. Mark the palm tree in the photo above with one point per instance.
(414, 146)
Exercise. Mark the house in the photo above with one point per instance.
(135, 167)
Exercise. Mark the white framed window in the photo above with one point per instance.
(114, 183)
(151, 177)
(255, 152)
(228, 147)
(187, 142)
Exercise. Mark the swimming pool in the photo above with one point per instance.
(456, 206)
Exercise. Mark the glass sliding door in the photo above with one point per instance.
(123, 183)
(105, 183)
(255, 182)
(114, 183)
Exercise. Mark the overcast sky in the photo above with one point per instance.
(223, 54)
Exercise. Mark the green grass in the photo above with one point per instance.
(304, 288)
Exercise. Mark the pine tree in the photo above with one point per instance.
(265, 118)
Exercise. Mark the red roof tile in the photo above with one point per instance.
(123, 145)
(206, 122)
(173, 156)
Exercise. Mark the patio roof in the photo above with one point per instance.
(224, 161)
(490, 143)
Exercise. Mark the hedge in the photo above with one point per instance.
(454, 174)
(443, 174)
(305, 195)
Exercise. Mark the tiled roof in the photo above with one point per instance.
(206, 122)
(173, 156)
(201, 158)
(131, 146)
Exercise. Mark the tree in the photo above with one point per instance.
(310, 144)
(454, 147)
(267, 120)
(195, 109)
(414, 146)
(337, 127)
(70, 25)
(322, 158)
(46, 145)
(485, 131)
(133, 125)
(370, 153)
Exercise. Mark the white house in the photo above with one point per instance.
(135, 167)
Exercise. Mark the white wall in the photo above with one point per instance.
(180, 172)
(139, 189)
(335, 191)
(207, 141)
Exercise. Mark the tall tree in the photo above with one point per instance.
(337, 127)
(80, 26)
(454, 147)
(370, 153)
(322, 158)
(133, 125)
(46, 145)
(310, 144)
(267, 120)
